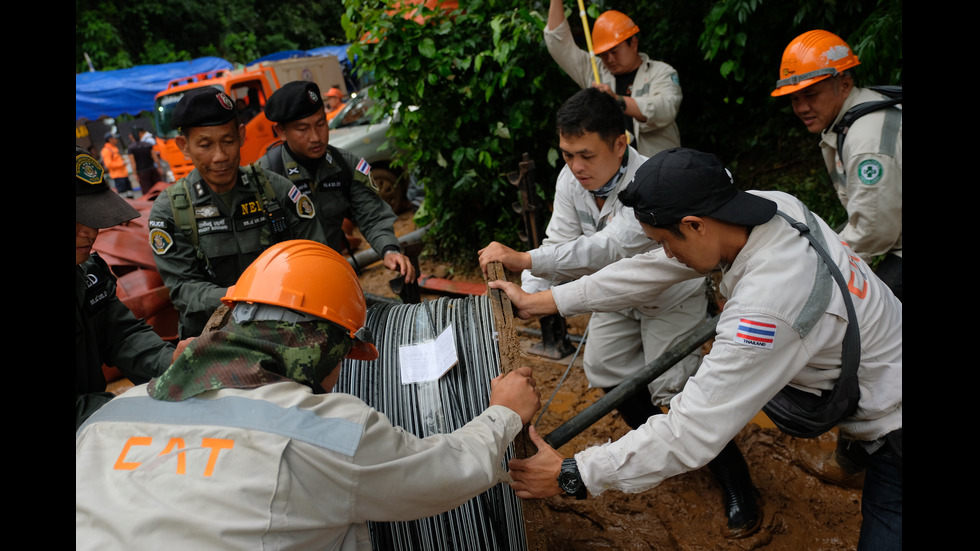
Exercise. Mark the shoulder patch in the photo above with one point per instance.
(870, 172)
(363, 167)
(304, 205)
(755, 333)
(160, 241)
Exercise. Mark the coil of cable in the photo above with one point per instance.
(492, 520)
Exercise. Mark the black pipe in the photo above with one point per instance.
(571, 428)
(369, 256)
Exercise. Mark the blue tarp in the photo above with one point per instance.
(130, 91)
(339, 51)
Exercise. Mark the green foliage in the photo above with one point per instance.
(118, 35)
(483, 92)
(728, 77)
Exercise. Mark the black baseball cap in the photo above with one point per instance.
(205, 106)
(683, 182)
(97, 206)
(295, 100)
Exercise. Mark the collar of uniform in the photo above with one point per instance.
(307, 166)
(610, 186)
(202, 193)
(850, 101)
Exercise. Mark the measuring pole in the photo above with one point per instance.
(588, 40)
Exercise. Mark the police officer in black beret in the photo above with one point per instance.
(209, 226)
(339, 183)
(106, 331)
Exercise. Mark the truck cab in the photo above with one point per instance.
(249, 88)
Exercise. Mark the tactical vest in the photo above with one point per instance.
(291, 170)
(184, 212)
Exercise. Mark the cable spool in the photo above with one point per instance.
(492, 520)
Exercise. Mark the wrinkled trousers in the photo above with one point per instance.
(881, 503)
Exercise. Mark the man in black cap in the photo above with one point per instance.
(106, 331)
(144, 159)
(208, 227)
(338, 182)
(809, 333)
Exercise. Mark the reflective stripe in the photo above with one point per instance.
(889, 131)
(795, 79)
(339, 435)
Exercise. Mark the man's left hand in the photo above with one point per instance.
(536, 476)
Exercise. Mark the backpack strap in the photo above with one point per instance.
(347, 177)
(799, 413)
(185, 221)
(894, 95)
(346, 181)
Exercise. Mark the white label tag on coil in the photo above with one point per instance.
(429, 360)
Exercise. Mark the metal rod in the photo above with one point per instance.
(369, 256)
(585, 419)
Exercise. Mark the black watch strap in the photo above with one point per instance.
(570, 480)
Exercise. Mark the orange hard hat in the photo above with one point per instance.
(611, 28)
(811, 57)
(309, 277)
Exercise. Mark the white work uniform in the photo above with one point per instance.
(273, 467)
(581, 239)
(656, 89)
(868, 176)
(770, 284)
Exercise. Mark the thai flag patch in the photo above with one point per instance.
(363, 167)
(755, 333)
(294, 194)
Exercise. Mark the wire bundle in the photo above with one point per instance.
(492, 520)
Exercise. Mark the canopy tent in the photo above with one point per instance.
(130, 91)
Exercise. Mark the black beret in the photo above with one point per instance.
(205, 106)
(296, 100)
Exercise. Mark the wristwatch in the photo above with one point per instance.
(570, 481)
(621, 100)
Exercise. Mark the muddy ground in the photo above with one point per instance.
(801, 511)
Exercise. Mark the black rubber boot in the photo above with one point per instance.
(739, 495)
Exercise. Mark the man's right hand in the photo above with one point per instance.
(526, 305)
(512, 260)
(516, 390)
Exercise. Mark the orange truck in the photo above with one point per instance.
(249, 87)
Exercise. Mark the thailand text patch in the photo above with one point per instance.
(755, 333)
